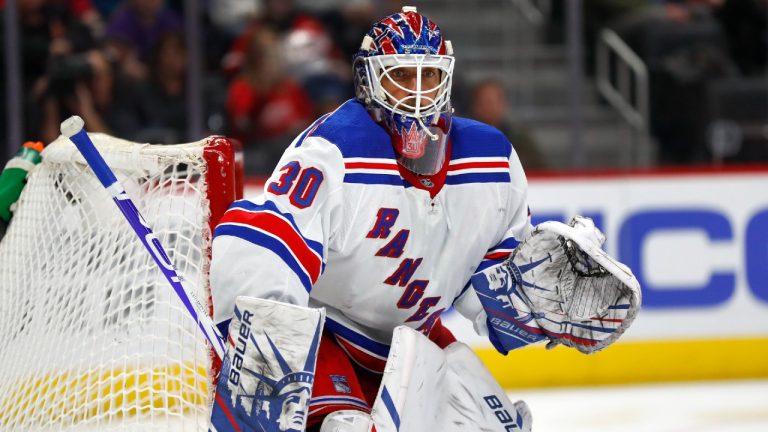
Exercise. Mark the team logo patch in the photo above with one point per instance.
(426, 182)
(340, 384)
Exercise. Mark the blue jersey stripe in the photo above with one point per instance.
(373, 179)
(270, 206)
(311, 128)
(259, 238)
(371, 345)
(494, 177)
(396, 180)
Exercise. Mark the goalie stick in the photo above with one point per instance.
(72, 128)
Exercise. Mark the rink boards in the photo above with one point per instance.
(697, 242)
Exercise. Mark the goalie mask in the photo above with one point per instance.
(403, 74)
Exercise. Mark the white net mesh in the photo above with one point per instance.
(93, 336)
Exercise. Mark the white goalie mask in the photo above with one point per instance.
(403, 75)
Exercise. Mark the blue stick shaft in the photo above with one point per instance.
(73, 129)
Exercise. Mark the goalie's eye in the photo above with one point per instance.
(399, 74)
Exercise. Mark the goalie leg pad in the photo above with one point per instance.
(426, 388)
(476, 401)
(268, 371)
(410, 394)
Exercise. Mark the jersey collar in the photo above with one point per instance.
(431, 183)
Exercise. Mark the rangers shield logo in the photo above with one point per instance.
(340, 384)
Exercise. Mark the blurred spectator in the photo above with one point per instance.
(92, 90)
(163, 95)
(48, 29)
(310, 60)
(265, 107)
(232, 16)
(51, 39)
(346, 20)
(134, 30)
(745, 23)
(489, 105)
(684, 49)
(282, 16)
(85, 12)
(106, 7)
(278, 15)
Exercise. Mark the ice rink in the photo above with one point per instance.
(729, 406)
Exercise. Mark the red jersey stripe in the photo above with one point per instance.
(282, 229)
(371, 165)
(468, 165)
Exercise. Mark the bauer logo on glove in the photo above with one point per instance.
(559, 285)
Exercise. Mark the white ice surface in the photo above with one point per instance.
(731, 406)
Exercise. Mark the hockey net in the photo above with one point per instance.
(93, 336)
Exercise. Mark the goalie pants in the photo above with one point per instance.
(342, 384)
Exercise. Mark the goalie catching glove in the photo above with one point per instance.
(559, 285)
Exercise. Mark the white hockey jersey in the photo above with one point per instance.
(340, 227)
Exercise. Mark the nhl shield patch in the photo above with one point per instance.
(340, 384)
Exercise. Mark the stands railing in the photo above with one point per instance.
(522, 40)
(627, 88)
(534, 11)
(622, 79)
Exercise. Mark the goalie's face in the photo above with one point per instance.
(412, 93)
(416, 85)
(403, 87)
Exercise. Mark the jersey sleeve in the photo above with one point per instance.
(517, 228)
(274, 247)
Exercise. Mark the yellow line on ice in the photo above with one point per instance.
(630, 362)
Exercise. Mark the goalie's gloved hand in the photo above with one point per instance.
(558, 285)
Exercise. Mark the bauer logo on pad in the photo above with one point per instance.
(275, 380)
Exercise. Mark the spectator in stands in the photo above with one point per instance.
(489, 105)
(311, 61)
(278, 15)
(684, 49)
(231, 17)
(50, 37)
(85, 12)
(163, 95)
(265, 107)
(106, 7)
(745, 24)
(346, 20)
(104, 100)
(134, 30)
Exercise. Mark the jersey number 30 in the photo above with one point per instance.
(306, 187)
